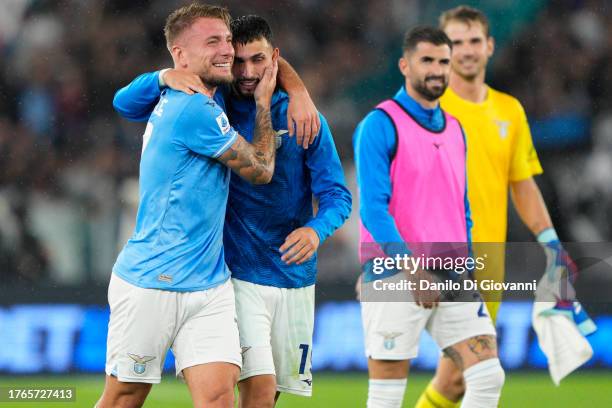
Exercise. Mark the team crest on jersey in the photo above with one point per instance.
(279, 137)
(389, 339)
(140, 363)
(223, 123)
(502, 126)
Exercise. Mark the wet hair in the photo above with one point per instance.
(426, 34)
(183, 18)
(250, 28)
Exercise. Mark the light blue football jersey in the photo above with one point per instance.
(178, 240)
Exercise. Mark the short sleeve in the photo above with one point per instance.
(525, 162)
(204, 127)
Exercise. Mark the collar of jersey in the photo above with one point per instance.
(473, 105)
(428, 118)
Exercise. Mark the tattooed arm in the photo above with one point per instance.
(254, 161)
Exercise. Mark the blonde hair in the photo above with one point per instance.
(181, 19)
(464, 14)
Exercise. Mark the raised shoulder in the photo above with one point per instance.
(196, 101)
(199, 109)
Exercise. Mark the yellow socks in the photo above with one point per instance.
(430, 398)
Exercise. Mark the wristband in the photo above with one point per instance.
(548, 235)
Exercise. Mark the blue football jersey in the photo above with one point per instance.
(178, 240)
(259, 217)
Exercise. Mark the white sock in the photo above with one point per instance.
(483, 384)
(386, 393)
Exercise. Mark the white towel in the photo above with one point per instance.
(561, 328)
(558, 318)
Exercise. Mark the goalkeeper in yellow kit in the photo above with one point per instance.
(501, 157)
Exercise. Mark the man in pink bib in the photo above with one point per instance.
(411, 171)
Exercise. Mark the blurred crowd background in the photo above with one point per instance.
(69, 164)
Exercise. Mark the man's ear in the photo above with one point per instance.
(490, 46)
(178, 56)
(275, 54)
(403, 66)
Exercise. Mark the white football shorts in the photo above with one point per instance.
(200, 327)
(275, 326)
(392, 330)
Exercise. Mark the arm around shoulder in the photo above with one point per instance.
(136, 100)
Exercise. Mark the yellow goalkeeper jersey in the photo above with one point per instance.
(500, 150)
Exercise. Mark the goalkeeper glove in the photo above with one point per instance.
(561, 271)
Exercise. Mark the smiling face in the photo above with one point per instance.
(205, 48)
(471, 48)
(249, 64)
(427, 69)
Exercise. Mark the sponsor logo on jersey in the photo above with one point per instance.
(223, 123)
(308, 381)
(164, 278)
(140, 363)
(502, 126)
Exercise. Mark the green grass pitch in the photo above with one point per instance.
(522, 390)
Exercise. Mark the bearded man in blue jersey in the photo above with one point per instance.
(270, 234)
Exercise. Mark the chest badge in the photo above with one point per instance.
(279, 137)
(502, 126)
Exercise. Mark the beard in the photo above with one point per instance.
(245, 93)
(214, 80)
(217, 81)
(430, 93)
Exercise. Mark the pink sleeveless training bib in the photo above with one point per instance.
(428, 176)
